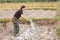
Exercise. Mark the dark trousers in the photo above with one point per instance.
(16, 25)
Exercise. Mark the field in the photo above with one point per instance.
(29, 6)
(33, 5)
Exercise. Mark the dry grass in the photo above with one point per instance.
(34, 5)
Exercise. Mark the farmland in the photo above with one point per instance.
(33, 5)
(29, 6)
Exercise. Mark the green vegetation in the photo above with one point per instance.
(58, 31)
(4, 20)
(23, 20)
(57, 18)
(4, 1)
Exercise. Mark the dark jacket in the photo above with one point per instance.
(18, 14)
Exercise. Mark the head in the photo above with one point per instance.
(22, 7)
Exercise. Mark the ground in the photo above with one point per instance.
(46, 27)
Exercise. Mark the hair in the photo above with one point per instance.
(22, 6)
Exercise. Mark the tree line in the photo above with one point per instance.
(2, 1)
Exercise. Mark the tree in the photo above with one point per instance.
(52, 0)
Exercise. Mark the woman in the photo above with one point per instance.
(16, 17)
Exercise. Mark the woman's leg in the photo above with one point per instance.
(16, 26)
